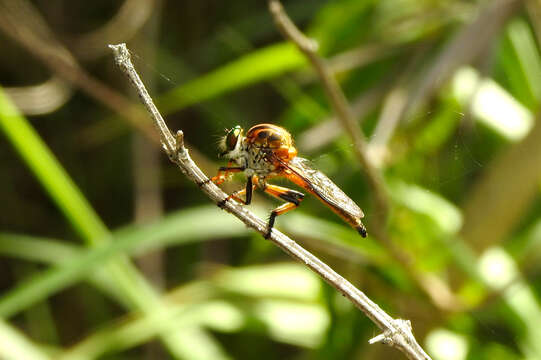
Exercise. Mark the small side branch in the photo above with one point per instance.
(396, 332)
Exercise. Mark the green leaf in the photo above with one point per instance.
(184, 227)
(492, 105)
(444, 214)
(256, 66)
(50, 173)
(15, 346)
(527, 58)
(136, 291)
(284, 297)
(500, 272)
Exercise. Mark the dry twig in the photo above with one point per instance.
(438, 292)
(336, 96)
(20, 21)
(396, 332)
(43, 98)
(328, 129)
(124, 25)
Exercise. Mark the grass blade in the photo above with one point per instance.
(136, 291)
(15, 346)
(180, 228)
(256, 66)
(50, 173)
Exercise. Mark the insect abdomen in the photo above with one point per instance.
(274, 138)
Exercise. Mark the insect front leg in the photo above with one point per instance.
(247, 190)
(292, 197)
(225, 171)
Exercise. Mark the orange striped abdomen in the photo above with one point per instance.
(274, 138)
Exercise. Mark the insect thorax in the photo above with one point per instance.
(263, 151)
(256, 160)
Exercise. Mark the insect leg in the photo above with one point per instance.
(292, 197)
(248, 190)
(224, 172)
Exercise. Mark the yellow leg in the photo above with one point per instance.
(225, 172)
(292, 197)
(247, 190)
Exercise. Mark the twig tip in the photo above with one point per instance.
(117, 47)
(121, 53)
(179, 137)
(275, 6)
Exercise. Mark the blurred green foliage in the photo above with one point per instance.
(108, 252)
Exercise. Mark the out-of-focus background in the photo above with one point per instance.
(108, 252)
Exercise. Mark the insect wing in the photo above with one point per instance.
(323, 187)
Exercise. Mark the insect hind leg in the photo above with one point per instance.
(292, 197)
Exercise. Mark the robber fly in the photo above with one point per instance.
(267, 151)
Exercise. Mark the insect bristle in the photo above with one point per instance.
(219, 140)
(221, 143)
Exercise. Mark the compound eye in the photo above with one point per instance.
(233, 137)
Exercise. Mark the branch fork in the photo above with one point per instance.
(393, 336)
